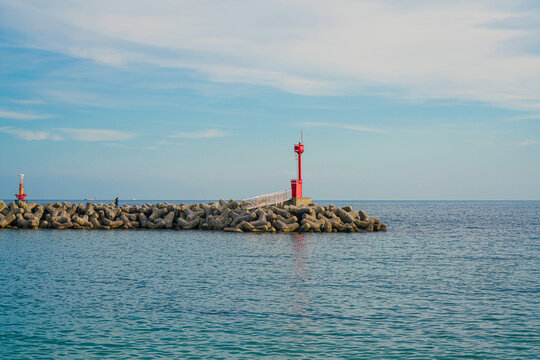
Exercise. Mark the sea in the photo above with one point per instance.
(449, 280)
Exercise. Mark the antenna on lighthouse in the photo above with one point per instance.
(301, 137)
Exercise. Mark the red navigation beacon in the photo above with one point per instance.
(21, 196)
(296, 184)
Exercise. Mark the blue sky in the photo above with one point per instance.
(205, 99)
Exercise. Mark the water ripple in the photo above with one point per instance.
(448, 280)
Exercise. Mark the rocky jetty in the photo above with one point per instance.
(224, 215)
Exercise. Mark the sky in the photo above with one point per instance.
(416, 100)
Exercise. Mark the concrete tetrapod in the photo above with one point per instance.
(223, 215)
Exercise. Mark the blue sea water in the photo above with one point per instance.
(449, 280)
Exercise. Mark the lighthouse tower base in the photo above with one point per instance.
(303, 201)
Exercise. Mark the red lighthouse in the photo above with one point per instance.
(296, 184)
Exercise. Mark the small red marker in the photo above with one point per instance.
(21, 196)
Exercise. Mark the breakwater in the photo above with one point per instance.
(223, 215)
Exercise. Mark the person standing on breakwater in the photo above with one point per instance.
(116, 202)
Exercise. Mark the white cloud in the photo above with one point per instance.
(210, 133)
(525, 117)
(528, 142)
(343, 126)
(421, 50)
(76, 96)
(14, 115)
(30, 134)
(89, 135)
(117, 145)
(97, 134)
(27, 101)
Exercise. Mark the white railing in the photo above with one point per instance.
(268, 199)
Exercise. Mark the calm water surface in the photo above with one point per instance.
(449, 280)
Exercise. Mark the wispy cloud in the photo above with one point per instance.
(97, 134)
(425, 50)
(352, 127)
(210, 133)
(14, 115)
(78, 97)
(27, 101)
(85, 135)
(528, 142)
(30, 134)
(525, 117)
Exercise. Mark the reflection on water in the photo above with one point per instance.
(299, 299)
(299, 247)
